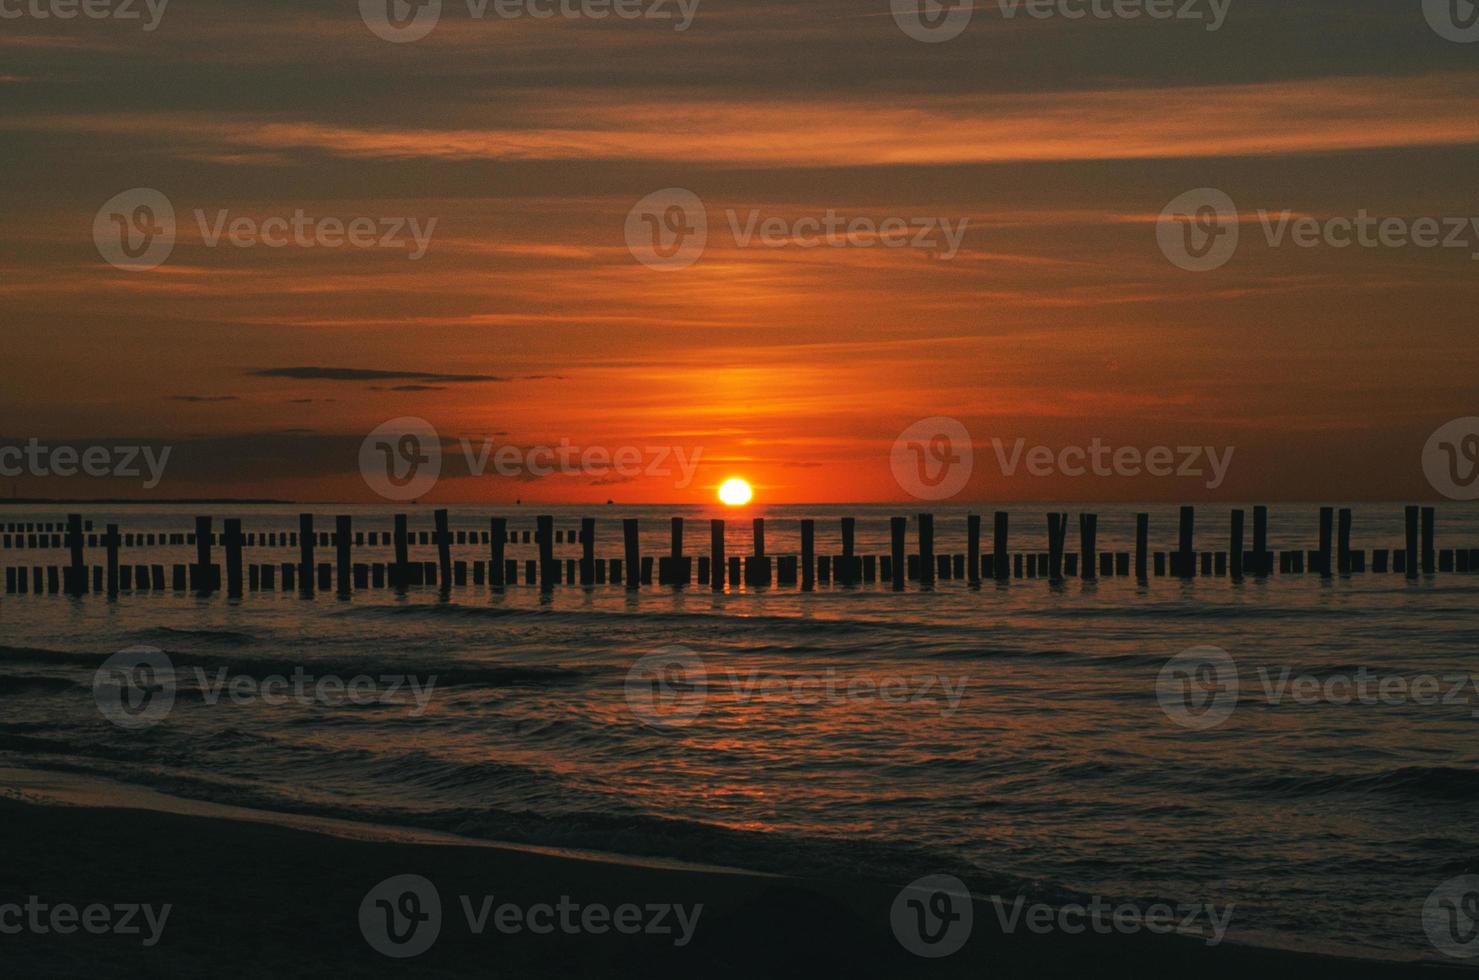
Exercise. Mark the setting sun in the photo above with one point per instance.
(735, 493)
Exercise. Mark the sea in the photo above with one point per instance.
(1057, 740)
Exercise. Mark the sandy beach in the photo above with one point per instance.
(254, 897)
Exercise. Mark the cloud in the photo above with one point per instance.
(202, 398)
(367, 374)
(1188, 121)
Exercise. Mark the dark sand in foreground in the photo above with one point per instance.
(260, 900)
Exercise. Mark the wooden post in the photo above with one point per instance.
(1409, 563)
(343, 541)
(305, 553)
(1088, 532)
(1057, 533)
(927, 551)
(110, 544)
(1187, 546)
(1262, 562)
(1001, 560)
(633, 551)
(233, 540)
(203, 536)
(1142, 545)
(545, 531)
(973, 548)
(808, 555)
(497, 539)
(1236, 545)
(753, 576)
(1327, 520)
(587, 551)
(402, 574)
(444, 548)
(759, 525)
(77, 574)
(1343, 542)
(716, 554)
(849, 539)
(898, 526)
(1429, 515)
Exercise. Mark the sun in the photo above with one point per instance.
(735, 493)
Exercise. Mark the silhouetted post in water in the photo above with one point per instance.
(1236, 544)
(1000, 560)
(808, 555)
(633, 552)
(110, 544)
(77, 574)
(444, 548)
(849, 530)
(1429, 515)
(232, 539)
(1057, 535)
(973, 548)
(1088, 532)
(927, 551)
(760, 564)
(1409, 564)
(1186, 549)
(716, 555)
(677, 572)
(497, 538)
(1343, 542)
(1142, 546)
(1327, 520)
(402, 577)
(898, 527)
(587, 551)
(203, 555)
(305, 553)
(343, 541)
(545, 532)
(1262, 565)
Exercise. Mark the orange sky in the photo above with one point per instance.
(1058, 321)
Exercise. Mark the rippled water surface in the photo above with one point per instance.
(1011, 735)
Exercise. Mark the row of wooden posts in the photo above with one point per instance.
(1334, 555)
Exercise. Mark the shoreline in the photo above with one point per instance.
(237, 877)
